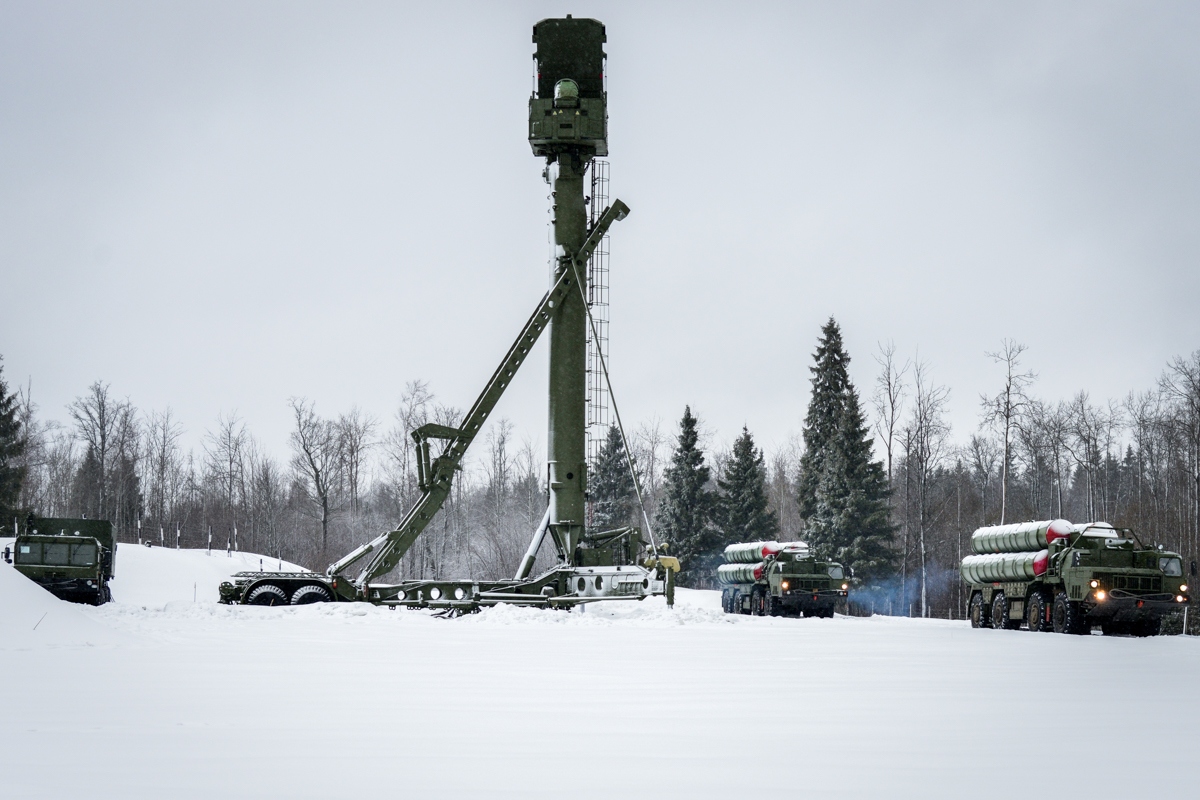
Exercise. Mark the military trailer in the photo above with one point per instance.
(1057, 576)
(779, 579)
(71, 558)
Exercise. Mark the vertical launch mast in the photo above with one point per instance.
(568, 126)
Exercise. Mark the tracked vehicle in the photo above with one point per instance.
(1068, 578)
(568, 128)
(73, 559)
(779, 579)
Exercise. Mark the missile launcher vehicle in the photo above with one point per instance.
(779, 579)
(568, 130)
(71, 558)
(1057, 576)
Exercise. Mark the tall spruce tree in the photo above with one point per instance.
(743, 514)
(611, 487)
(842, 491)
(12, 446)
(684, 517)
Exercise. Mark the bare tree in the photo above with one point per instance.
(356, 430)
(416, 408)
(96, 416)
(165, 462)
(1181, 385)
(40, 438)
(1004, 411)
(317, 459)
(890, 390)
(783, 466)
(649, 445)
(983, 456)
(927, 441)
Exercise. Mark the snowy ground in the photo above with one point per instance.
(159, 696)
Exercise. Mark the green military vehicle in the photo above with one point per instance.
(1066, 578)
(71, 558)
(779, 579)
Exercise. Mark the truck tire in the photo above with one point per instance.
(1035, 613)
(1146, 627)
(758, 602)
(1000, 620)
(1068, 616)
(267, 594)
(312, 593)
(981, 615)
(774, 606)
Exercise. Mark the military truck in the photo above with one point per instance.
(1054, 575)
(73, 559)
(779, 579)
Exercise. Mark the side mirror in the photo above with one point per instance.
(1193, 564)
(8, 558)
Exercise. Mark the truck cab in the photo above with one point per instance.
(71, 558)
(1118, 583)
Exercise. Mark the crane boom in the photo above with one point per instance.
(434, 476)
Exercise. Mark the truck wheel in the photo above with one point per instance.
(1068, 616)
(1146, 627)
(267, 594)
(1000, 620)
(774, 606)
(1035, 613)
(312, 593)
(758, 601)
(735, 602)
(980, 614)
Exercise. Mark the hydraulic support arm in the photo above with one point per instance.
(434, 476)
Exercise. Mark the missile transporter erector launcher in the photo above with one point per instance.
(1057, 576)
(779, 579)
(73, 559)
(568, 128)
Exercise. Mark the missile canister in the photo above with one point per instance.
(754, 552)
(1022, 537)
(997, 567)
(728, 574)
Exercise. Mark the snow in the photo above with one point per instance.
(155, 695)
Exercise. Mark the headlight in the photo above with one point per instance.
(845, 586)
(1095, 584)
(784, 585)
(1178, 598)
(1100, 595)
(1183, 587)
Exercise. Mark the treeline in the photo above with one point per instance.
(883, 485)
(347, 478)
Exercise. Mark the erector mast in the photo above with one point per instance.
(568, 126)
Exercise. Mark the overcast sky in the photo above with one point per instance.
(218, 206)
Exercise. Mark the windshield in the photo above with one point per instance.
(835, 572)
(29, 553)
(1171, 566)
(83, 555)
(55, 553)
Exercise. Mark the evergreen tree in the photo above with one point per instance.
(611, 487)
(842, 491)
(742, 507)
(685, 513)
(12, 447)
